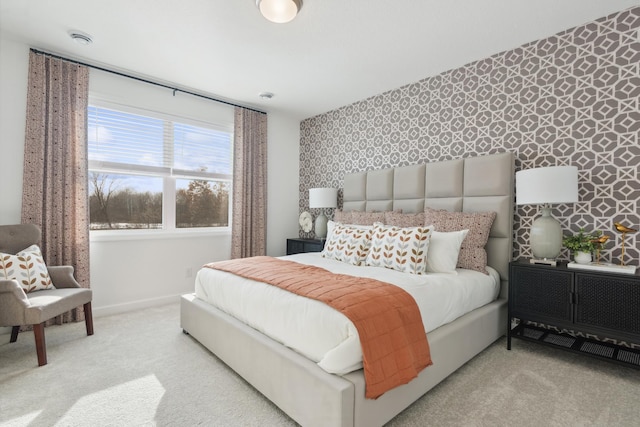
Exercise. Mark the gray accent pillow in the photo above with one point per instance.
(343, 217)
(400, 219)
(366, 218)
(473, 255)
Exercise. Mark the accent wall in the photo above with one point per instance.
(569, 99)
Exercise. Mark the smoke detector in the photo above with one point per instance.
(80, 37)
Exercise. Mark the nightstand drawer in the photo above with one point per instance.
(541, 293)
(608, 302)
(297, 246)
(294, 247)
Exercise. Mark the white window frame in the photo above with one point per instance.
(167, 173)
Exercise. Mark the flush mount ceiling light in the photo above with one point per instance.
(80, 37)
(279, 11)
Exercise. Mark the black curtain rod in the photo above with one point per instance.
(174, 89)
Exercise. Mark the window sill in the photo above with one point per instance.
(119, 235)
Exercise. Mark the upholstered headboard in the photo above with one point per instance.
(475, 184)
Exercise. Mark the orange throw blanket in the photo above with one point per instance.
(392, 336)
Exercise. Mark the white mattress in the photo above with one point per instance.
(325, 335)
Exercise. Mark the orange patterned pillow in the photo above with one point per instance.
(399, 248)
(472, 254)
(348, 244)
(27, 268)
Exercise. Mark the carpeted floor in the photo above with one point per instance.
(139, 369)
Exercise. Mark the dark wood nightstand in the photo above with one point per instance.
(299, 245)
(580, 306)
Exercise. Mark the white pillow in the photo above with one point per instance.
(399, 248)
(26, 267)
(348, 244)
(330, 226)
(444, 250)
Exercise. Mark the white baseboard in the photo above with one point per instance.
(135, 305)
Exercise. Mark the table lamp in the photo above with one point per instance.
(320, 198)
(544, 186)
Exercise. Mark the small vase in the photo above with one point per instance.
(582, 257)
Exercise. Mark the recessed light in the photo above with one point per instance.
(80, 37)
(266, 95)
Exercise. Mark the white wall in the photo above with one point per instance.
(14, 64)
(133, 273)
(283, 135)
(141, 272)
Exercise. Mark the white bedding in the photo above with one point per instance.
(325, 335)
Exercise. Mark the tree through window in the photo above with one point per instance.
(155, 172)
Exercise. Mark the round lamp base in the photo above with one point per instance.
(546, 236)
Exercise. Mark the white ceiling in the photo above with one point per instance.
(333, 53)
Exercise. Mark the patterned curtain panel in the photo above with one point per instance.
(55, 184)
(249, 222)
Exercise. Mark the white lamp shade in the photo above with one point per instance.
(555, 184)
(323, 198)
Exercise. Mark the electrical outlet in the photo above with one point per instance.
(188, 273)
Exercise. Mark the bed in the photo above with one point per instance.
(312, 396)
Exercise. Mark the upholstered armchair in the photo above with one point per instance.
(35, 306)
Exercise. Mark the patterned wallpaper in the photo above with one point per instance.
(570, 99)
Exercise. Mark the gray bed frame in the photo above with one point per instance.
(313, 397)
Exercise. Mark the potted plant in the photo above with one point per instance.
(582, 244)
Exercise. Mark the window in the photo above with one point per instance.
(155, 171)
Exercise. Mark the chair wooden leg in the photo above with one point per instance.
(14, 333)
(41, 347)
(88, 318)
